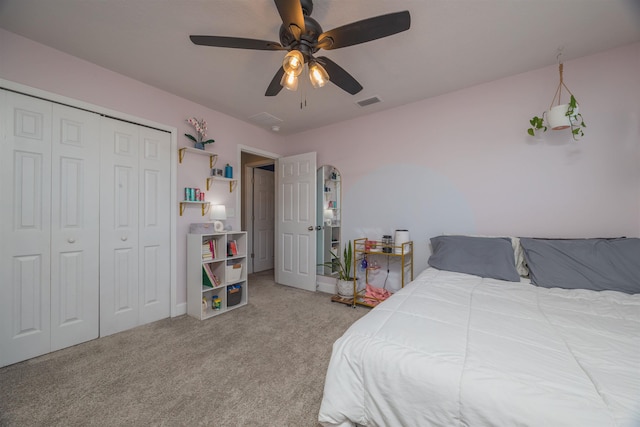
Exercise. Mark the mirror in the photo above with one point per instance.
(328, 215)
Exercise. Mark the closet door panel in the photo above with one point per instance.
(155, 287)
(75, 226)
(25, 231)
(119, 256)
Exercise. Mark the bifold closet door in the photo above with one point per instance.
(134, 227)
(26, 227)
(75, 226)
(49, 227)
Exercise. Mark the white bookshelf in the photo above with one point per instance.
(230, 281)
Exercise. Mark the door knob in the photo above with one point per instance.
(318, 227)
(310, 228)
(123, 238)
(71, 240)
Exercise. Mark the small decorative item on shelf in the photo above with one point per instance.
(201, 129)
(228, 171)
(216, 302)
(386, 243)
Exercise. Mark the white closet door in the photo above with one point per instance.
(25, 172)
(119, 255)
(154, 225)
(75, 226)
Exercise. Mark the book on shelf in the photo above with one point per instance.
(232, 249)
(207, 280)
(210, 276)
(216, 280)
(208, 250)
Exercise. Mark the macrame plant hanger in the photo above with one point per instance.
(558, 93)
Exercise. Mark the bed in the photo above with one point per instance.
(456, 348)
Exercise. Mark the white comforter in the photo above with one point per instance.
(452, 349)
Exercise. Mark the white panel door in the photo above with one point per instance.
(263, 219)
(25, 227)
(295, 263)
(75, 223)
(154, 293)
(119, 254)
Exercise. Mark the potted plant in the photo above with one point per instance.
(201, 129)
(342, 266)
(561, 116)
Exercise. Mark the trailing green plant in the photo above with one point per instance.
(342, 265)
(576, 120)
(537, 123)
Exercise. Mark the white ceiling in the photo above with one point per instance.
(451, 44)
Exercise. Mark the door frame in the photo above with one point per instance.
(249, 219)
(118, 115)
(246, 191)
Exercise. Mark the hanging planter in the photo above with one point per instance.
(560, 116)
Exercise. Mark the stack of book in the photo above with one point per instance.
(208, 250)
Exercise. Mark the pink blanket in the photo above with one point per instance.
(375, 296)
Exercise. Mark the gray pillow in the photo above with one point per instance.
(490, 257)
(595, 264)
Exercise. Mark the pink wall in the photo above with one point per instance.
(462, 162)
(35, 65)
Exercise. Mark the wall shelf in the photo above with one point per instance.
(213, 158)
(232, 182)
(185, 203)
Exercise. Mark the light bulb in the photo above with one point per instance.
(289, 81)
(293, 63)
(318, 75)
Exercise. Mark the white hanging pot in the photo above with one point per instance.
(557, 117)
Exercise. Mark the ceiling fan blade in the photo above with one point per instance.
(292, 18)
(365, 30)
(236, 42)
(275, 87)
(339, 77)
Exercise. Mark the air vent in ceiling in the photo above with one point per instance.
(369, 101)
(265, 119)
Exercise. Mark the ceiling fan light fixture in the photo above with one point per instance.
(293, 63)
(318, 75)
(289, 81)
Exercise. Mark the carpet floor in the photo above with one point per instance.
(262, 364)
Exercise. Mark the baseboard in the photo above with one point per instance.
(180, 309)
(326, 284)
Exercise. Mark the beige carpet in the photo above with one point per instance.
(259, 365)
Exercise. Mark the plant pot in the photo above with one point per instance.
(345, 288)
(557, 117)
(199, 145)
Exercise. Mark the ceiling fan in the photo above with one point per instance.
(302, 36)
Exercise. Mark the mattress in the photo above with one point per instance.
(452, 349)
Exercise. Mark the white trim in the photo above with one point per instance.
(251, 150)
(248, 199)
(176, 309)
(326, 284)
